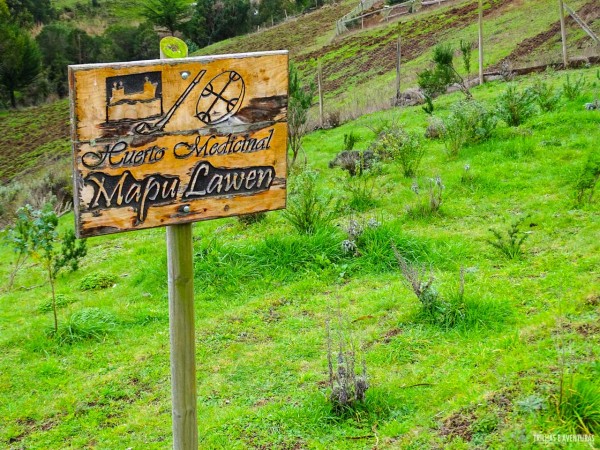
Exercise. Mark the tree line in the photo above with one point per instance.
(33, 69)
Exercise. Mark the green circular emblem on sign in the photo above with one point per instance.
(173, 47)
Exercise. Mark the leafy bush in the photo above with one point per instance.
(97, 281)
(61, 301)
(87, 323)
(431, 204)
(588, 179)
(308, 210)
(469, 121)
(573, 89)
(546, 97)
(401, 146)
(510, 245)
(515, 107)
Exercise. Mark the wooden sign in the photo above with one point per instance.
(175, 141)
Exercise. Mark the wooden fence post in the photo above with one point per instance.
(481, 77)
(398, 63)
(563, 33)
(181, 313)
(319, 82)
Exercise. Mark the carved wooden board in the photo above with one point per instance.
(174, 141)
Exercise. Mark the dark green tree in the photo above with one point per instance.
(53, 41)
(169, 14)
(28, 12)
(20, 63)
(215, 20)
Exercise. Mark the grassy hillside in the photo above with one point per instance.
(264, 294)
(359, 67)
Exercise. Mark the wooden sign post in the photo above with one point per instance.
(171, 142)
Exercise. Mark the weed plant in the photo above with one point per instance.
(61, 301)
(578, 406)
(572, 89)
(85, 324)
(347, 387)
(308, 210)
(429, 204)
(350, 140)
(588, 178)
(434, 308)
(546, 97)
(516, 107)
(401, 146)
(361, 189)
(510, 245)
(97, 281)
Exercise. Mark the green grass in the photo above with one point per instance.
(263, 294)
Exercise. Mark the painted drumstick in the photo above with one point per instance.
(149, 128)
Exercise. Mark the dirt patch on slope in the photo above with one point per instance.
(588, 12)
(32, 135)
(367, 55)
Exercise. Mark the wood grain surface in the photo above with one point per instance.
(159, 143)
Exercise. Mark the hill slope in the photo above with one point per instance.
(264, 294)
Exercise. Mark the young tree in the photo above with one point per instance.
(20, 64)
(38, 237)
(299, 102)
(435, 81)
(169, 14)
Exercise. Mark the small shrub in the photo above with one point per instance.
(402, 146)
(97, 281)
(515, 107)
(546, 97)
(355, 230)
(354, 161)
(466, 49)
(84, 324)
(435, 128)
(432, 203)
(578, 406)
(469, 122)
(61, 301)
(572, 89)
(361, 190)
(350, 140)
(588, 179)
(347, 387)
(510, 245)
(467, 176)
(308, 210)
(434, 308)
(252, 218)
